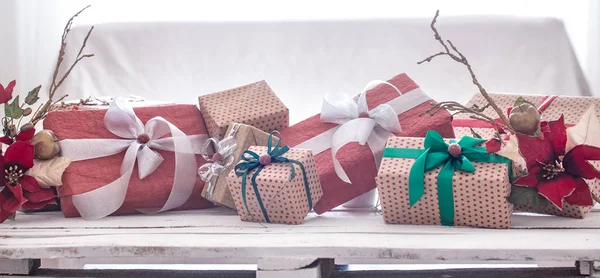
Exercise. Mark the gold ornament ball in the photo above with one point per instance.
(45, 145)
(525, 118)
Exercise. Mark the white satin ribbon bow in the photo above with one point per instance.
(359, 124)
(222, 158)
(138, 141)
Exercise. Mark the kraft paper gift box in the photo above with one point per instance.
(253, 104)
(359, 161)
(83, 178)
(278, 196)
(427, 181)
(239, 137)
(551, 108)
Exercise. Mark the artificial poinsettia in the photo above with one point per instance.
(21, 136)
(509, 148)
(6, 93)
(557, 173)
(21, 190)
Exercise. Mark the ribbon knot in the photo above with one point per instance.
(221, 159)
(359, 124)
(143, 138)
(264, 159)
(138, 141)
(455, 156)
(454, 150)
(251, 161)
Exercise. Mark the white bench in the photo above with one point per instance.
(217, 236)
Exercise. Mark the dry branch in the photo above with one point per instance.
(454, 106)
(43, 110)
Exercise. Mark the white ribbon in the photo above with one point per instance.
(359, 124)
(122, 122)
(221, 159)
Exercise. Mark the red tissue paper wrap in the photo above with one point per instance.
(359, 161)
(147, 193)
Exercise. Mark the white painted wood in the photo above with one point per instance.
(218, 236)
(312, 271)
(283, 263)
(18, 266)
(363, 221)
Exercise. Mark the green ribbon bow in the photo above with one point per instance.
(438, 153)
(255, 162)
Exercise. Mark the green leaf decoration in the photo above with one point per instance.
(528, 196)
(32, 96)
(474, 133)
(13, 110)
(521, 100)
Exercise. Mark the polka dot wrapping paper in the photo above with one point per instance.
(253, 104)
(480, 198)
(572, 108)
(285, 200)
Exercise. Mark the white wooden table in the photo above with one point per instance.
(218, 236)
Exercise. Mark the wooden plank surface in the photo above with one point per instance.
(445, 273)
(218, 234)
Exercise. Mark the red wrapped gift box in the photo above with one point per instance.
(358, 160)
(87, 175)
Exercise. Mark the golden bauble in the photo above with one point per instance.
(45, 145)
(525, 118)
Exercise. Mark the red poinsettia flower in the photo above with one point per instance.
(21, 136)
(6, 93)
(555, 174)
(21, 190)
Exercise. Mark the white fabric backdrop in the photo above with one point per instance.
(31, 30)
(302, 60)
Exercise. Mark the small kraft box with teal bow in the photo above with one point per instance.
(433, 181)
(275, 184)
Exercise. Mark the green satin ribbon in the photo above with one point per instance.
(435, 155)
(251, 161)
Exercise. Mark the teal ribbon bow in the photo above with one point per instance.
(437, 153)
(252, 161)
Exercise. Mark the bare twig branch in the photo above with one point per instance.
(60, 99)
(72, 66)
(43, 110)
(460, 58)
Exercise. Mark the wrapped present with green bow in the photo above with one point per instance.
(275, 184)
(433, 181)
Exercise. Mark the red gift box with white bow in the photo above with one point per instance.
(356, 130)
(130, 160)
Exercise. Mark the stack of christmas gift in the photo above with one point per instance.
(237, 150)
(142, 158)
(383, 109)
(123, 160)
